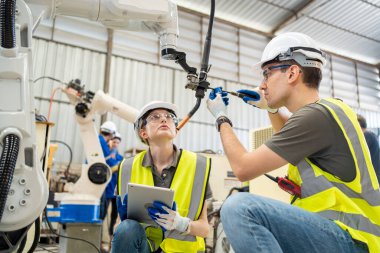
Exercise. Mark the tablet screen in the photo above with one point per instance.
(142, 196)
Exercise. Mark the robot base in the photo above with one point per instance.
(91, 232)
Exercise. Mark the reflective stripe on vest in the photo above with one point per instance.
(191, 168)
(362, 197)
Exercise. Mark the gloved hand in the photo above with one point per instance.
(258, 101)
(122, 207)
(217, 102)
(168, 218)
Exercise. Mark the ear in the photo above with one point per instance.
(143, 134)
(294, 73)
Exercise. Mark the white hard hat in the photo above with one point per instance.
(149, 107)
(108, 127)
(117, 135)
(293, 46)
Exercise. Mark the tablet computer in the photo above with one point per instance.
(142, 196)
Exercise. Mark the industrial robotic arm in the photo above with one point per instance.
(158, 16)
(87, 191)
(24, 191)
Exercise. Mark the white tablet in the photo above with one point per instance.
(142, 196)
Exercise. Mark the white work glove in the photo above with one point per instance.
(168, 218)
(255, 97)
(217, 102)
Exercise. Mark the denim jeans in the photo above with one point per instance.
(256, 224)
(129, 237)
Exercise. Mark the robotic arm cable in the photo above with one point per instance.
(200, 85)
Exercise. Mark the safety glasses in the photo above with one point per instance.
(156, 117)
(267, 71)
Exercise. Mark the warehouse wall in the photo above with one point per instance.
(69, 48)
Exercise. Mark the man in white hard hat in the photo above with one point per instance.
(338, 208)
(183, 227)
(106, 133)
(110, 189)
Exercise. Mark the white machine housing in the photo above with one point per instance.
(28, 193)
(158, 16)
(84, 191)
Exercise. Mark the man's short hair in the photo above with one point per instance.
(312, 77)
(362, 121)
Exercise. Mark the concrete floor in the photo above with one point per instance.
(47, 248)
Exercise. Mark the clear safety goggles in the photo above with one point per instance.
(156, 117)
(267, 71)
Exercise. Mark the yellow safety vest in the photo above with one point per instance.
(355, 205)
(189, 184)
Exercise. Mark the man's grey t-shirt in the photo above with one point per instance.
(165, 178)
(311, 132)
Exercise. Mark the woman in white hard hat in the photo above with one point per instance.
(338, 206)
(181, 228)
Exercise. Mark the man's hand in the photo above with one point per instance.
(255, 98)
(217, 102)
(122, 207)
(168, 218)
(110, 144)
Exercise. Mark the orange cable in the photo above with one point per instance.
(183, 122)
(51, 101)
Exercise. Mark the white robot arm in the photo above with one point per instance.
(86, 192)
(24, 191)
(87, 105)
(158, 16)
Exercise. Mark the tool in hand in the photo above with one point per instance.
(287, 185)
(240, 95)
(255, 97)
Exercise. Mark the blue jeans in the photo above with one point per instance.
(270, 226)
(129, 237)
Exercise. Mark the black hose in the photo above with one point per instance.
(8, 28)
(195, 108)
(11, 145)
(203, 84)
(207, 45)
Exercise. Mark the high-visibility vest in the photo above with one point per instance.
(355, 205)
(189, 184)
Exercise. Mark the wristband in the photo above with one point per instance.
(273, 111)
(221, 120)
